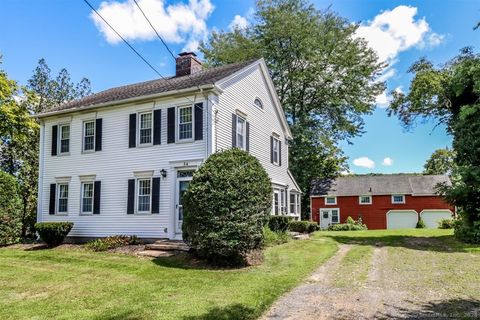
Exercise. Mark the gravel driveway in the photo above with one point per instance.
(397, 282)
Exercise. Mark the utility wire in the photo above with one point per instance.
(126, 42)
(151, 25)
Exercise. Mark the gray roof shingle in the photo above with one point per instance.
(204, 77)
(379, 185)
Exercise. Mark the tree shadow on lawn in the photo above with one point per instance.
(444, 243)
(189, 261)
(443, 309)
(231, 312)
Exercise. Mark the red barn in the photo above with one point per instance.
(382, 202)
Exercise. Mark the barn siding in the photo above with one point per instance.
(374, 215)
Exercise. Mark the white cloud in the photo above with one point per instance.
(238, 22)
(364, 162)
(346, 172)
(394, 31)
(383, 100)
(176, 23)
(387, 161)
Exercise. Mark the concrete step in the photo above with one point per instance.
(155, 253)
(167, 246)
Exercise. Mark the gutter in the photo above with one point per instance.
(130, 100)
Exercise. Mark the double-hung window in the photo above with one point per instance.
(365, 199)
(335, 216)
(64, 138)
(145, 128)
(276, 151)
(144, 195)
(87, 197)
(89, 136)
(62, 206)
(241, 133)
(185, 123)
(398, 198)
(293, 205)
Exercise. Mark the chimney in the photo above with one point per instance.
(187, 63)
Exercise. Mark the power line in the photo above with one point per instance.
(126, 42)
(151, 25)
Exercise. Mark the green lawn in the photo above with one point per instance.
(76, 284)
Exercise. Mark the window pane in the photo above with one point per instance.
(365, 199)
(63, 191)
(185, 124)
(292, 203)
(398, 199)
(144, 195)
(89, 143)
(335, 216)
(89, 128)
(65, 132)
(186, 115)
(65, 138)
(240, 133)
(145, 128)
(87, 205)
(331, 200)
(185, 131)
(62, 197)
(89, 135)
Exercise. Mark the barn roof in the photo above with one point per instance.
(379, 185)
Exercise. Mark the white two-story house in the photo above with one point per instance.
(118, 161)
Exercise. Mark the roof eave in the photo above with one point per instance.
(130, 100)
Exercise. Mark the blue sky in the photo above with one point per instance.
(64, 33)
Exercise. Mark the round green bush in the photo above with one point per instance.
(226, 206)
(10, 210)
(53, 233)
(303, 226)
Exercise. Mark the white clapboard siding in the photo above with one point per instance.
(113, 166)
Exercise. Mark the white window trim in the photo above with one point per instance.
(81, 196)
(275, 139)
(59, 140)
(261, 107)
(177, 129)
(365, 203)
(243, 133)
(57, 201)
(331, 204)
(137, 185)
(330, 210)
(339, 219)
(84, 136)
(396, 195)
(145, 144)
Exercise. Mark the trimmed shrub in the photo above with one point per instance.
(53, 233)
(349, 225)
(10, 210)
(104, 244)
(279, 223)
(446, 224)
(303, 226)
(226, 206)
(273, 238)
(420, 224)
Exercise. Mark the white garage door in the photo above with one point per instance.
(431, 217)
(398, 219)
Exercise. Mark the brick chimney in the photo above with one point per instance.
(187, 63)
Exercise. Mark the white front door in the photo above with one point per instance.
(183, 181)
(328, 217)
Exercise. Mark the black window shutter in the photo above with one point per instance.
(53, 190)
(54, 140)
(98, 134)
(97, 190)
(131, 196)
(157, 126)
(247, 138)
(199, 121)
(156, 195)
(279, 152)
(132, 131)
(234, 130)
(271, 149)
(171, 125)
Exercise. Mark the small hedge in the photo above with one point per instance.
(53, 233)
(104, 244)
(279, 223)
(274, 237)
(349, 225)
(303, 226)
(446, 224)
(420, 224)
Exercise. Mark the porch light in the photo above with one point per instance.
(163, 172)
